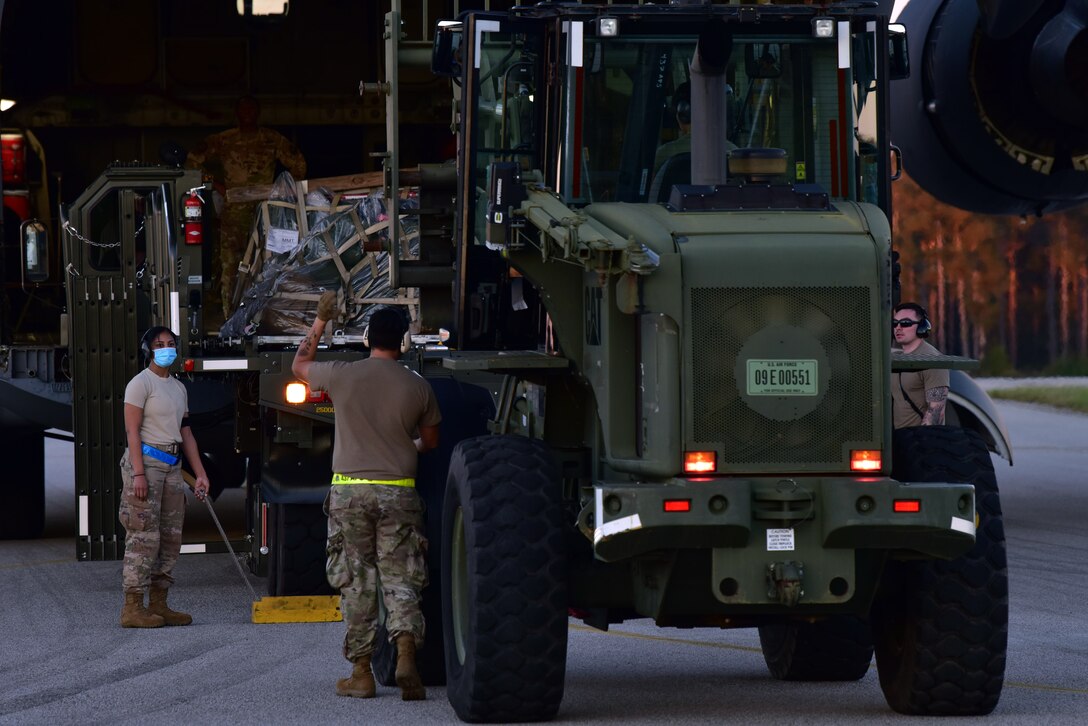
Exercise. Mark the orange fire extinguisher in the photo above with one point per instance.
(194, 218)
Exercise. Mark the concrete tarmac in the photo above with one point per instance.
(65, 660)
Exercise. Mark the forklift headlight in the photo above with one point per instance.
(823, 28)
(608, 27)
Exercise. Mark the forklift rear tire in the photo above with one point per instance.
(837, 648)
(430, 659)
(296, 561)
(941, 628)
(504, 581)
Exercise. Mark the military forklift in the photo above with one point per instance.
(693, 424)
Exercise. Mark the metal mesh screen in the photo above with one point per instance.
(723, 319)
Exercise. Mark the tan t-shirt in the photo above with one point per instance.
(164, 401)
(379, 406)
(915, 383)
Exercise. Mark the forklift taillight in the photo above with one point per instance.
(700, 462)
(865, 460)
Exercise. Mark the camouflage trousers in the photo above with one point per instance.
(376, 541)
(152, 526)
(234, 228)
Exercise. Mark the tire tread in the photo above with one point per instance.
(515, 663)
(941, 628)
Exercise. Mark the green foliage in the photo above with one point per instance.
(996, 363)
(1068, 366)
(1074, 398)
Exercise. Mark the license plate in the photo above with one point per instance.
(782, 377)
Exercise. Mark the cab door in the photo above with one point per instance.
(104, 254)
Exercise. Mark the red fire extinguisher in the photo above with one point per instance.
(194, 218)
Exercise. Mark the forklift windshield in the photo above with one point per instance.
(610, 119)
(632, 140)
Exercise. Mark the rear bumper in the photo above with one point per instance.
(783, 518)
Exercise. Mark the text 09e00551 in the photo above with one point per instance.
(795, 377)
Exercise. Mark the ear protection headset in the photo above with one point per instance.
(683, 110)
(681, 102)
(405, 342)
(150, 335)
(924, 326)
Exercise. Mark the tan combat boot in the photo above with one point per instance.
(135, 615)
(411, 685)
(361, 682)
(157, 606)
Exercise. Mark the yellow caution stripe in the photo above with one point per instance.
(343, 479)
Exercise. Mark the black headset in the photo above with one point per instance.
(924, 326)
(683, 110)
(152, 333)
(406, 334)
(682, 102)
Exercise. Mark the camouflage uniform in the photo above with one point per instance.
(152, 526)
(376, 540)
(237, 158)
(376, 530)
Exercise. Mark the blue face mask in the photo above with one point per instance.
(165, 357)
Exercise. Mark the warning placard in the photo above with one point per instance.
(780, 540)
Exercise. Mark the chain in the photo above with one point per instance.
(75, 233)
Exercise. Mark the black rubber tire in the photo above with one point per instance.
(22, 515)
(296, 560)
(430, 659)
(504, 581)
(837, 648)
(383, 663)
(941, 628)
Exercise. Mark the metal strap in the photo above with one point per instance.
(233, 557)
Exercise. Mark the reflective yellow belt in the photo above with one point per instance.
(341, 479)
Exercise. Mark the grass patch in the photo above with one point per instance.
(996, 363)
(1067, 367)
(1074, 398)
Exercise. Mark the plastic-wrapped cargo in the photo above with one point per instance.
(332, 255)
(277, 227)
(277, 222)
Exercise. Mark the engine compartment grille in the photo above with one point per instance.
(837, 321)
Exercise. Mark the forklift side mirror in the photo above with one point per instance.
(898, 53)
(34, 248)
(446, 51)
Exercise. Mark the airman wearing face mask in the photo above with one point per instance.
(153, 493)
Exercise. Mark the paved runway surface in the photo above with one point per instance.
(65, 660)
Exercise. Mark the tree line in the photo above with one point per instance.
(1010, 291)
